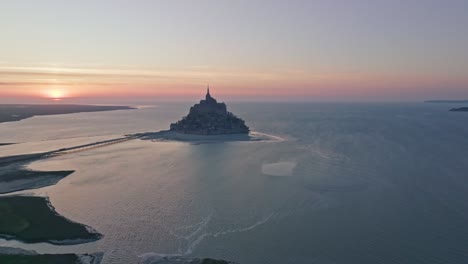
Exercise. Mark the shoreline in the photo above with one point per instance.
(17, 112)
(168, 135)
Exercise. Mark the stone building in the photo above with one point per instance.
(210, 118)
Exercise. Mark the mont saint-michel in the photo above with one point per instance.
(210, 118)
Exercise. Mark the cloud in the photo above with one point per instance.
(45, 82)
(82, 74)
(19, 83)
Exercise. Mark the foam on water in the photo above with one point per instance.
(283, 168)
(194, 239)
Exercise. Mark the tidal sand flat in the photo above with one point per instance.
(16, 112)
(167, 135)
(34, 220)
(20, 256)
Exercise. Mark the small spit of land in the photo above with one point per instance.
(461, 109)
(16, 179)
(33, 219)
(20, 256)
(16, 112)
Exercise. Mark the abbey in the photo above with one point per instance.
(210, 118)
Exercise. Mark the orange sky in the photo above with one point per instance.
(272, 50)
(87, 82)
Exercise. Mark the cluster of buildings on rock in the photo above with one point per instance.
(210, 118)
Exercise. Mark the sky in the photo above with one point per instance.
(304, 50)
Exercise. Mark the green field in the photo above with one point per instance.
(32, 219)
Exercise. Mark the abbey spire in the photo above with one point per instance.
(208, 97)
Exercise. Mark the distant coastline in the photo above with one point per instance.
(447, 101)
(460, 109)
(17, 112)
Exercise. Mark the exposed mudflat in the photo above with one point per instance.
(168, 135)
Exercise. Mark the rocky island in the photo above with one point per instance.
(210, 118)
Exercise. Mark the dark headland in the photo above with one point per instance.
(210, 118)
(461, 109)
(458, 109)
(16, 112)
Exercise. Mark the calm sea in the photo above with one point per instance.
(350, 183)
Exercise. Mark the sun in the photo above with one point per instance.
(56, 93)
